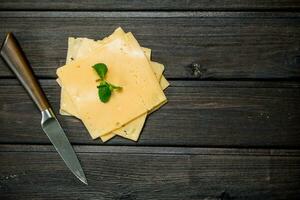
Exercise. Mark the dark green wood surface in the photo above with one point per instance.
(229, 131)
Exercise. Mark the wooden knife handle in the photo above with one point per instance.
(13, 55)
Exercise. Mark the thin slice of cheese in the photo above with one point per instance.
(105, 138)
(129, 68)
(132, 129)
(147, 52)
(149, 89)
(158, 69)
(73, 46)
(164, 83)
(78, 48)
(87, 45)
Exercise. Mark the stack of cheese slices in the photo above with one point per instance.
(129, 66)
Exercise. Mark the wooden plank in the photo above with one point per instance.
(149, 5)
(208, 113)
(192, 45)
(21, 148)
(167, 173)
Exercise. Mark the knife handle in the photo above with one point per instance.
(13, 55)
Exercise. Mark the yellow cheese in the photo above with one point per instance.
(149, 89)
(73, 46)
(132, 129)
(105, 138)
(142, 93)
(147, 52)
(78, 48)
(67, 107)
(157, 69)
(164, 83)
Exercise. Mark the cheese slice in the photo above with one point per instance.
(73, 46)
(87, 45)
(147, 52)
(105, 138)
(164, 83)
(158, 69)
(129, 68)
(132, 129)
(149, 89)
(78, 48)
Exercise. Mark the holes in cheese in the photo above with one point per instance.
(84, 46)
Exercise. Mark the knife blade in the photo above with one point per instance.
(16, 60)
(58, 138)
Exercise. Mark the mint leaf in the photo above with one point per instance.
(101, 69)
(104, 92)
(104, 89)
(113, 87)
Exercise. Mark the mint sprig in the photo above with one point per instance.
(101, 70)
(104, 93)
(104, 88)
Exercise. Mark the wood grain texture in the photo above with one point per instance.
(37, 172)
(192, 45)
(148, 5)
(234, 89)
(230, 113)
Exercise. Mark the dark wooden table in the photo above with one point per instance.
(231, 129)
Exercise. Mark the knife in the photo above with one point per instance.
(16, 60)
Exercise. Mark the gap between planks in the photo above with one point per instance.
(145, 14)
(156, 5)
(217, 83)
(155, 150)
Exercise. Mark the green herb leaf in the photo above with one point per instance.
(104, 89)
(114, 87)
(101, 69)
(104, 92)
